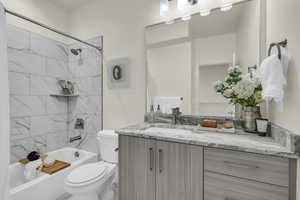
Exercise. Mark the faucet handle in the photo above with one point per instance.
(176, 111)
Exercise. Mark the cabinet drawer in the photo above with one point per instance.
(223, 187)
(256, 167)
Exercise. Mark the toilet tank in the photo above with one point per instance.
(108, 145)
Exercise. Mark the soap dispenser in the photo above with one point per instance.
(158, 112)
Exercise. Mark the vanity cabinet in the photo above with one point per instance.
(171, 171)
(224, 187)
(136, 170)
(159, 170)
(233, 175)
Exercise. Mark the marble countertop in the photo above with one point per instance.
(239, 141)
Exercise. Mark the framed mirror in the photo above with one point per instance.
(185, 58)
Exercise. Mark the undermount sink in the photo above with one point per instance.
(167, 130)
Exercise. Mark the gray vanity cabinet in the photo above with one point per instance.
(224, 187)
(171, 173)
(233, 175)
(136, 171)
(157, 170)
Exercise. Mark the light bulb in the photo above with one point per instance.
(164, 7)
(182, 4)
(205, 12)
(226, 7)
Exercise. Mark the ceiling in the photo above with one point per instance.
(71, 4)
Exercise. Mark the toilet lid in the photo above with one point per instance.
(87, 173)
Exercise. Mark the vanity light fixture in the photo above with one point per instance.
(226, 5)
(183, 5)
(164, 7)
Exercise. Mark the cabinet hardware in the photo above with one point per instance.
(151, 159)
(160, 158)
(240, 165)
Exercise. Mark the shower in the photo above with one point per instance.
(76, 52)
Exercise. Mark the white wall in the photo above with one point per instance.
(283, 22)
(122, 25)
(41, 11)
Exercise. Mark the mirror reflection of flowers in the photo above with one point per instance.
(240, 89)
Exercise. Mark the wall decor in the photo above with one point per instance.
(118, 73)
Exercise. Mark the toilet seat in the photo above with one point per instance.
(86, 174)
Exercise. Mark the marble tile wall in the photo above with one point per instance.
(39, 121)
(86, 73)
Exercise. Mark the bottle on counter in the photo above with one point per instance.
(158, 111)
(151, 115)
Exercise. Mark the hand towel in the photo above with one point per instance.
(273, 79)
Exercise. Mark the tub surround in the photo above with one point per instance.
(40, 121)
(240, 141)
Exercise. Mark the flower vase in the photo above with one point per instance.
(249, 116)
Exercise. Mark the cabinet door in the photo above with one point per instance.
(196, 172)
(172, 182)
(136, 168)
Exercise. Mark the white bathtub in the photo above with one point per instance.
(46, 187)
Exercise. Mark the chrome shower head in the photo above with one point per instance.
(76, 52)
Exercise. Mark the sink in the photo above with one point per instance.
(167, 131)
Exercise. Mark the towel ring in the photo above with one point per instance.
(278, 49)
(278, 45)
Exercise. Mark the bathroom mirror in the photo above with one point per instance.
(185, 58)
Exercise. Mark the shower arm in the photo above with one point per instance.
(51, 29)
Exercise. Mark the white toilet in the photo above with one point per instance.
(88, 181)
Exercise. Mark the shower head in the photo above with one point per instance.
(76, 52)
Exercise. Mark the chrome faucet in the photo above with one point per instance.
(175, 115)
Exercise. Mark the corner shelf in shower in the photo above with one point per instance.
(64, 96)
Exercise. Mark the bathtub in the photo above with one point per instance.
(45, 186)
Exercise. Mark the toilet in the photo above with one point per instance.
(88, 181)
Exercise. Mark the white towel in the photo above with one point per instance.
(167, 103)
(31, 169)
(285, 59)
(274, 80)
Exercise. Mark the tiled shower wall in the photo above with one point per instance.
(86, 74)
(39, 121)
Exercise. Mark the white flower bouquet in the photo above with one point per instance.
(239, 89)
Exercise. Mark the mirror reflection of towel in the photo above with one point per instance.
(167, 103)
